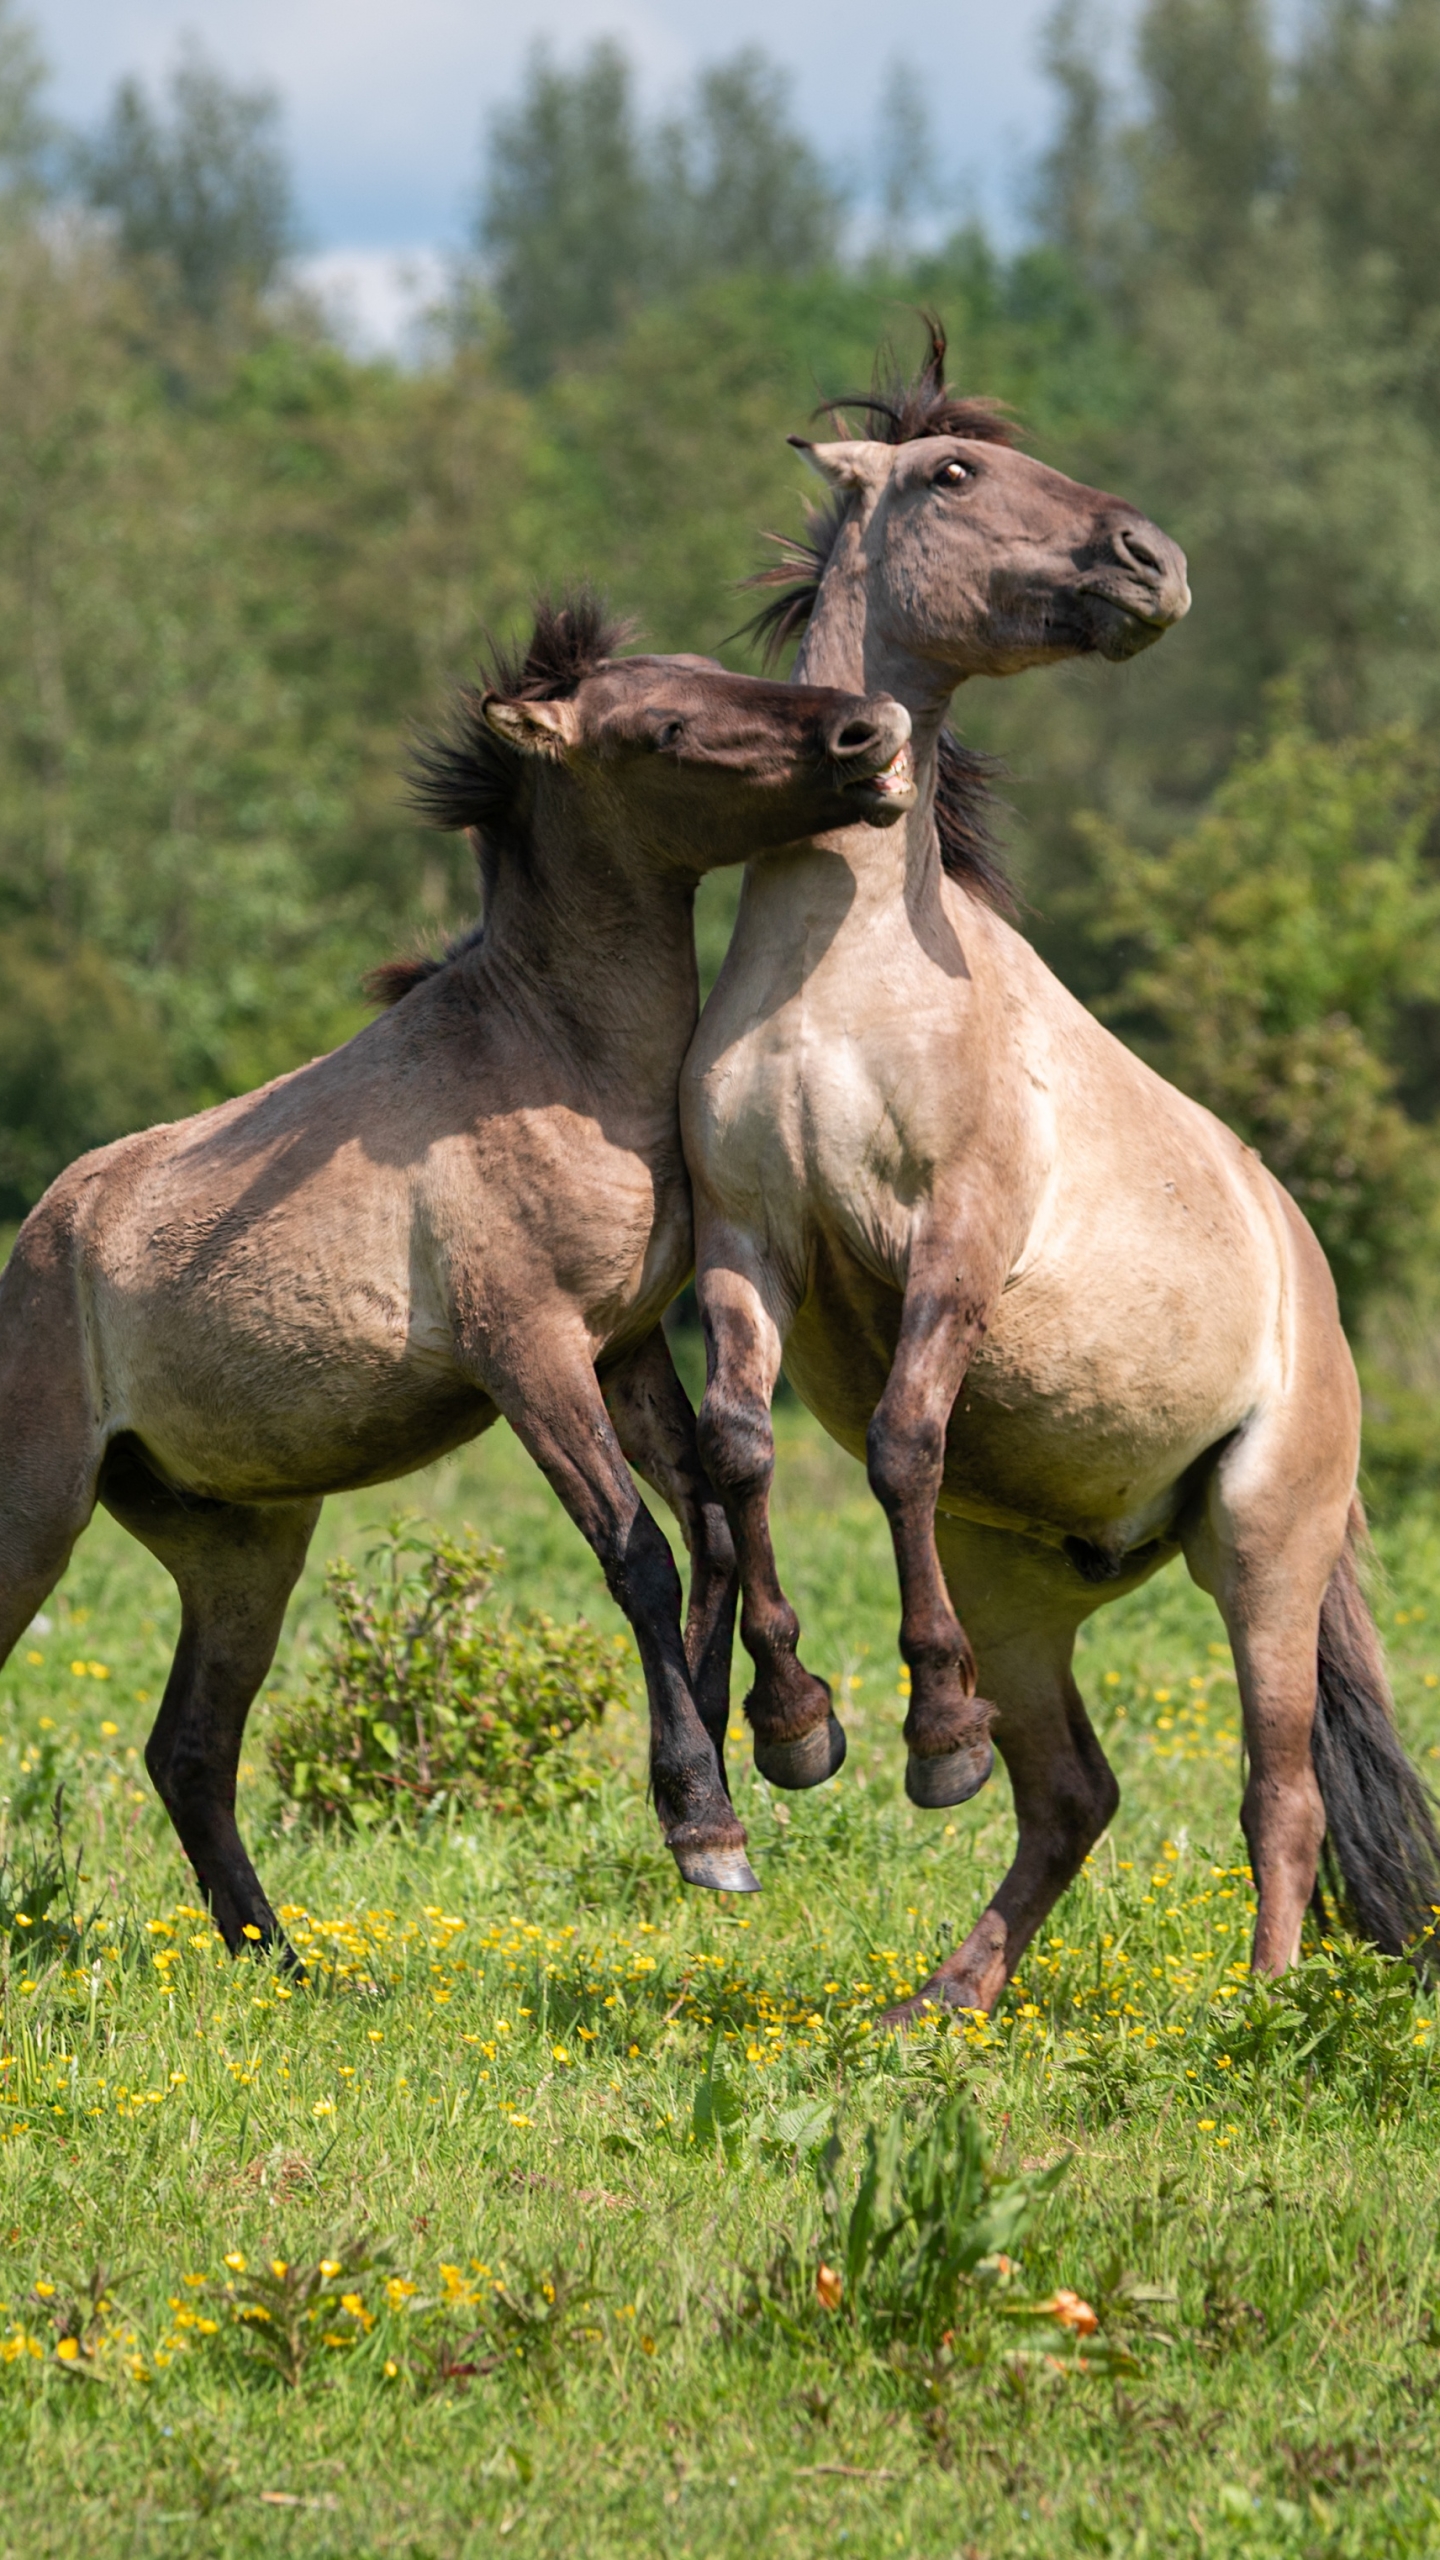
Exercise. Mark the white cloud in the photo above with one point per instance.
(375, 299)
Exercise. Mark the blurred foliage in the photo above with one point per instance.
(203, 199)
(586, 213)
(236, 561)
(430, 1698)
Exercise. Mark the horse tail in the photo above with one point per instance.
(1381, 1855)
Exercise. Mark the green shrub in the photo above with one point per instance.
(429, 1696)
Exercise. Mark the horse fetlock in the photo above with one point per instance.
(787, 1701)
(944, 1714)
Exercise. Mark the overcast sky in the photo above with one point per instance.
(385, 100)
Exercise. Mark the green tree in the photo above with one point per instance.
(79, 1061)
(202, 196)
(1209, 145)
(734, 188)
(587, 213)
(26, 135)
(906, 172)
(1366, 144)
(565, 217)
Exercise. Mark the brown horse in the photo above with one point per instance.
(477, 1207)
(1031, 1283)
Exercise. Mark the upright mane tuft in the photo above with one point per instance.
(899, 412)
(462, 776)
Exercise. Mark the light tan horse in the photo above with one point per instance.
(477, 1207)
(1031, 1283)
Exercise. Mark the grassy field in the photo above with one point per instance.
(565, 2160)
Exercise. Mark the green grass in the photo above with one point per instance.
(494, 2070)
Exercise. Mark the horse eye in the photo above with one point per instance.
(951, 474)
(670, 733)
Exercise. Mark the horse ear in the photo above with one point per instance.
(855, 464)
(535, 728)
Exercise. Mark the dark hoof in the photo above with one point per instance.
(952, 1777)
(718, 1870)
(808, 1761)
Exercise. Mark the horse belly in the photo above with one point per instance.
(1089, 1399)
(1092, 1397)
(285, 1374)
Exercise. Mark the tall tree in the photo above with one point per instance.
(906, 171)
(587, 212)
(735, 187)
(25, 132)
(201, 194)
(1366, 142)
(565, 218)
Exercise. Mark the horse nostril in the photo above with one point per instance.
(857, 738)
(1136, 552)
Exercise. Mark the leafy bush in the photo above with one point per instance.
(429, 1696)
(910, 2238)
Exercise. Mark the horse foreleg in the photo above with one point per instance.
(655, 1424)
(548, 1392)
(948, 1726)
(1065, 1794)
(799, 1742)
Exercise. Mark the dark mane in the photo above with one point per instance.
(964, 822)
(462, 776)
(899, 412)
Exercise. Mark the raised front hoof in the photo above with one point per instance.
(951, 1777)
(716, 1870)
(807, 1761)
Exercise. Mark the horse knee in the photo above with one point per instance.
(903, 1456)
(737, 1444)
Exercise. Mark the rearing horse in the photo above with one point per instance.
(1072, 1323)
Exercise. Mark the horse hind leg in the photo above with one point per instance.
(1270, 1544)
(235, 1566)
(1064, 1789)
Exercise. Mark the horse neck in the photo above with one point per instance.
(897, 868)
(597, 953)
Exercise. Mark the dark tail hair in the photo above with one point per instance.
(1381, 1858)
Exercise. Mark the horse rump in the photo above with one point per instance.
(1381, 1854)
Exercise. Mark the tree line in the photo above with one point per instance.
(237, 560)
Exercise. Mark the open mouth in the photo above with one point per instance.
(895, 781)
